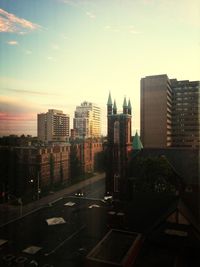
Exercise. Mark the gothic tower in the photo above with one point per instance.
(118, 147)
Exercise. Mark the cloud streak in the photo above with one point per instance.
(13, 24)
(12, 42)
(80, 5)
(128, 29)
(27, 91)
(6, 116)
(28, 52)
(90, 15)
(50, 58)
(55, 47)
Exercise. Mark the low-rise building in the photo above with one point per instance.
(87, 151)
(31, 170)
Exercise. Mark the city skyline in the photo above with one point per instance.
(56, 54)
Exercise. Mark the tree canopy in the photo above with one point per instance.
(153, 174)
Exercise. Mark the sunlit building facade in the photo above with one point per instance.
(53, 126)
(185, 113)
(87, 120)
(169, 112)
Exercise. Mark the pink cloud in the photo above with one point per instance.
(12, 42)
(11, 123)
(8, 116)
(11, 23)
(17, 117)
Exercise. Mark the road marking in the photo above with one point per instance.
(87, 198)
(54, 201)
(67, 239)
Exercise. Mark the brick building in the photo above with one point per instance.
(54, 164)
(87, 151)
(30, 170)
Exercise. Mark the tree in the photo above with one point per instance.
(61, 173)
(51, 165)
(75, 164)
(99, 161)
(153, 174)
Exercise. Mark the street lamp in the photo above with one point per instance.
(32, 187)
(38, 186)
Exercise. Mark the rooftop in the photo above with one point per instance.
(115, 247)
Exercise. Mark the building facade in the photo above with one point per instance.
(88, 152)
(169, 112)
(156, 119)
(53, 126)
(87, 120)
(185, 113)
(118, 147)
(30, 170)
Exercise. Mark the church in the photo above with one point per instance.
(119, 147)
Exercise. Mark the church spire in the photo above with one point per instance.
(129, 107)
(109, 105)
(109, 100)
(125, 103)
(125, 106)
(137, 144)
(114, 108)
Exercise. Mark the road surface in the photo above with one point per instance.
(64, 244)
(10, 212)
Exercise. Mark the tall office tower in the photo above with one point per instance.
(87, 120)
(185, 113)
(169, 112)
(156, 109)
(53, 126)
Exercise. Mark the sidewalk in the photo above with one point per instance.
(9, 212)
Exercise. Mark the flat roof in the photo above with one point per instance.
(115, 247)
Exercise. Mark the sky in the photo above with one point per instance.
(59, 53)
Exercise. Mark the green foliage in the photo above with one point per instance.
(152, 175)
(99, 161)
(51, 164)
(81, 177)
(75, 164)
(61, 173)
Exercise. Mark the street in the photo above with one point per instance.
(10, 212)
(30, 241)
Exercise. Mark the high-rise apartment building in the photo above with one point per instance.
(185, 113)
(53, 126)
(169, 112)
(87, 120)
